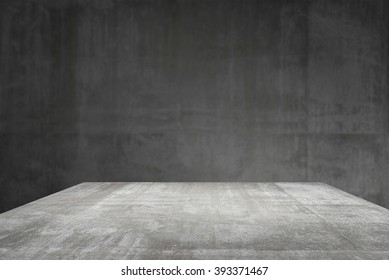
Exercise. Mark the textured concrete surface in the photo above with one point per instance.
(196, 221)
(193, 90)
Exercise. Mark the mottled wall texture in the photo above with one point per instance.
(193, 90)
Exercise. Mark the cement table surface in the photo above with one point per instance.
(196, 221)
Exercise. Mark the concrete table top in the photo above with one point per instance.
(196, 221)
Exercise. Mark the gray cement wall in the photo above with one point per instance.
(191, 90)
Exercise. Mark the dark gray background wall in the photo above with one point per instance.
(193, 90)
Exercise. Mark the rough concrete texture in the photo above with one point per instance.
(196, 221)
(193, 90)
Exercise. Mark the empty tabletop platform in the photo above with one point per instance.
(196, 221)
